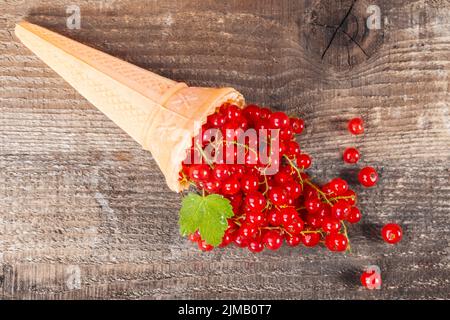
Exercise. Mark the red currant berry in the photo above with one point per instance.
(312, 205)
(293, 149)
(371, 279)
(278, 196)
(230, 186)
(282, 178)
(288, 215)
(255, 201)
(330, 225)
(293, 189)
(252, 112)
(264, 113)
(310, 239)
(255, 246)
(195, 237)
(221, 172)
(249, 183)
(354, 216)
(212, 185)
(216, 120)
(293, 240)
(297, 125)
(295, 227)
(228, 237)
(256, 218)
(314, 220)
(368, 177)
(274, 216)
(199, 172)
(286, 134)
(203, 246)
(241, 241)
(392, 233)
(278, 120)
(350, 197)
(247, 230)
(340, 210)
(336, 242)
(338, 186)
(232, 112)
(351, 155)
(272, 240)
(355, 126)
(303, 161)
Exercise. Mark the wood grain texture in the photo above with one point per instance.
(85, 212)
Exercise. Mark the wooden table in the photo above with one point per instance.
(85, 213)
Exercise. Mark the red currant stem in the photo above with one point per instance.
(311, 231)
(349, 248)
(267, 185)
(300, 208)
(324, 196)
(208, 161)
(203, 192)
(342, 198)
(295, 168)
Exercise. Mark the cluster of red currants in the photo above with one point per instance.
(271, 209)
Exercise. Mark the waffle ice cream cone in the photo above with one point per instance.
(162, 115)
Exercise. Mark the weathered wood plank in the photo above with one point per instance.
(79, 197)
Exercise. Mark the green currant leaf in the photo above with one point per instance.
(206, 214)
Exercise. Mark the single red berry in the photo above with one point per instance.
(286, 134)
(351, 155)
(303, 161)
(274, 217)
(232, 112)
(277, 196)
(195, 237)
(203, 246)
(350, 197)
(354, 216)
(293, 189)
(371, 279)
(336, 242)
(247, 230)
(282, 178)
(310, 239)
(255, 201)
(368, 177)
(356, 126)
(392, 233)
(272, 240)
(228, 237)
(249, 183)
(255, 246)
(295, 227)
(216, 120)
(212, 185)
(288, 215)
(278, 120)
(241, 241)
(330, 225)
(340, 210)
(252, 112)
(293, 240)
(293, 149)
(221, 172)
(297, 125)
(199, 172)
(256, 218)
(314, 220)
(338, 186)
(264, 113)
(312, 204)
(230, 186)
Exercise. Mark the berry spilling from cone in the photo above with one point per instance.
(254, 192)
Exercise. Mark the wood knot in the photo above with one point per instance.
(343, 33)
